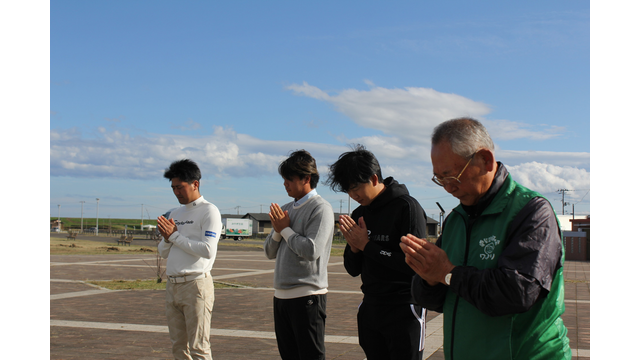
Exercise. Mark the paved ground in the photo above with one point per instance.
(92, 323)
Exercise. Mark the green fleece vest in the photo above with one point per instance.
(538, 333)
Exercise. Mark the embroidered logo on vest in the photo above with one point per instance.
(489, 244)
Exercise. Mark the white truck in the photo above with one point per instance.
(236, 228)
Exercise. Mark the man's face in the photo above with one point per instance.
(364, 193)
(185, 192)
(446, 163)
(297, 187)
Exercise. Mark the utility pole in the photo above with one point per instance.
(97, 213)
(341, 205)
(440, 218)
(141, 215)
(81, 215)
(58, 213)
(563, 203)
(238, 209)
(574, 205)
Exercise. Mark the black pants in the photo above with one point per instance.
(299, 325)
(391, 331)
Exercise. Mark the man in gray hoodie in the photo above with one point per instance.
(301, 244)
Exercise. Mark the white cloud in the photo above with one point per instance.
(114, 154)
(510, 130)
(405, 118)
(547, 178)
(566, 159)
(411, 113)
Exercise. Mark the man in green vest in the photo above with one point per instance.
(496, 270)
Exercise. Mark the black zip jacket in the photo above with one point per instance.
(525, 268)
(386, 277)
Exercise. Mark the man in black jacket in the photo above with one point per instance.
(390, 324)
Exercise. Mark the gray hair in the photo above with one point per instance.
(466, 136)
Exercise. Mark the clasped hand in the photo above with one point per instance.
(279, 219)
(166, 227)
(357, 235)
(428, 261)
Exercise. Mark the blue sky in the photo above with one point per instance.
(236, 86)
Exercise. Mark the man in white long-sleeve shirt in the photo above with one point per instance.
(191, 234)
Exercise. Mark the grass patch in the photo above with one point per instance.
(62, 246)
(116, 224)
(337, 252)
(239, 244)
(144, 285)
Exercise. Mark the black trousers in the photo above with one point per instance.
(299, 325)
(391, 331)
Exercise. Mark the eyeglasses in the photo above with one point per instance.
(446, 180)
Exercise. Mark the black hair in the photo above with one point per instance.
(353, 168)
(185, 170)
(300, 163)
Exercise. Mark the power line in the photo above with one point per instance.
(563, 203)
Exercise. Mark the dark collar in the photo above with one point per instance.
(485, 200)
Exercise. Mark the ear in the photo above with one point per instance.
(374, 179)
(196, 183)
(488, 160)
(306, 180)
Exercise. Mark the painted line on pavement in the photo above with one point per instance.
(214, 332)
(433, 338)
(58, 263)
(81, 293)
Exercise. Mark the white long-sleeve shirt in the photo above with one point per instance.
(192, 249)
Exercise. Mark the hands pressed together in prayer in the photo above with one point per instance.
(279, 219)
(166, 227)
(428, 261)
(357, 235)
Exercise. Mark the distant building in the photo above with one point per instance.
(577, 240)
(565, 221)
(432, 227)
(261, 222)
(56, 225)
(579, 224)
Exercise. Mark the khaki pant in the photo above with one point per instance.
(188, 308)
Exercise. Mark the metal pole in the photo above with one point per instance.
(97, 212)
(81, 215)
(58, 212)
(440, 218)
(141, 216)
